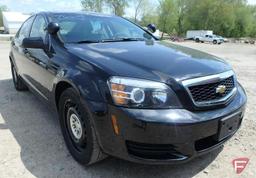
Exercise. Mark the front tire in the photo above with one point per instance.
(17, 80)
(215, 42)
(77, 129)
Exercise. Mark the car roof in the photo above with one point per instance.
(76, 13)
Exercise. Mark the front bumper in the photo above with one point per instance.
(164, 136)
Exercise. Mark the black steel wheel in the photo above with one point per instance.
(77, 129)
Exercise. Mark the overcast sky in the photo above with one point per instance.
(55, 5)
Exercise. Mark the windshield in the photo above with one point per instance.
(77, 28)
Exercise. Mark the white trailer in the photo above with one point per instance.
(13, 20)
(192, 33)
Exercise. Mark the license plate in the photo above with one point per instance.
(228, 125)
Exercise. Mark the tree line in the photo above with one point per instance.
(229, 18)
(117, 6)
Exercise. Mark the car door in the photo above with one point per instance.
(38, 59)
(210, 38)
(19, 53)
(206, 38)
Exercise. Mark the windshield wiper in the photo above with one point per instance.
(110, 40)
(122, 39)
(87, 41)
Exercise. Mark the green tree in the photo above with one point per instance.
(118, 6)
(181, 8)
(253, 29)
(2, 8)
(138, 6)
(216, 15)
(149, 15)
(149, 18)
(167, 16)
(93, 5)
(230, 18)
(243, 22)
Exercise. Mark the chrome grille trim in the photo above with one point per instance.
(207, 80)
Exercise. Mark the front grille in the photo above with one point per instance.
(207, 92)
(153, 151)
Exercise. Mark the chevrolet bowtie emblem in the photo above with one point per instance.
(220, 89)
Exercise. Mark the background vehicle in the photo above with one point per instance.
(191, 34)
(208, 38)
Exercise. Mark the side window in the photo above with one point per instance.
(38, 27)
(25, 29)
(66, 27)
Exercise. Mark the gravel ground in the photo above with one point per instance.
(31, 144)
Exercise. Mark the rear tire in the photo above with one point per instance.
(17, 80)
(214, 41)
(197, 40)
(77, 129)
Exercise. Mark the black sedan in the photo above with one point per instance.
(120, 91)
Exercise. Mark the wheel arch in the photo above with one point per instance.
(86, 90)
(60, 87)
(11, 59)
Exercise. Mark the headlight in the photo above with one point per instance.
(138, 93)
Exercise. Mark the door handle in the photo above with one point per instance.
(25, 50)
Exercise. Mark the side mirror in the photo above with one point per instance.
(53, 28)
(33, 42)
(151, 28)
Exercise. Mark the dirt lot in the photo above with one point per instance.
(31, 144)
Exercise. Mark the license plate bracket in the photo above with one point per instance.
(228, 125)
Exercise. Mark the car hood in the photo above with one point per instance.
(153, 60)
